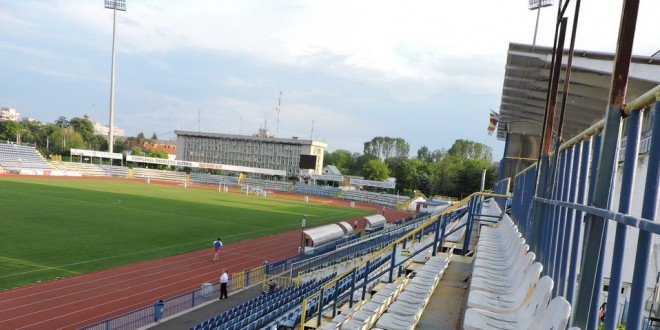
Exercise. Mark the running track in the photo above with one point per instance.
(77, 301)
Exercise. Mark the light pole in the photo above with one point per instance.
(114, 5)
(537, 5)
(302, 235)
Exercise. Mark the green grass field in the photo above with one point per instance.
(54, 227)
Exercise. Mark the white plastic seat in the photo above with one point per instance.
(555, 316)
(506, 303)
(500, 284)
(501, 264)
(499, 252)
(522, 262)
(353, 324)
(411, 298)
(522, 318)
(405, 308)
(418, 289)
(395, 322)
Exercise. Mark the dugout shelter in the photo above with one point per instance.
(374, 222)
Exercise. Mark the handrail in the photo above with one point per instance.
(643, 101)
(592, 130)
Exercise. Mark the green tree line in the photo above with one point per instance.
(60, 136)
(455, 172)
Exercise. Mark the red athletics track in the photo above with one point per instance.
(77, 301)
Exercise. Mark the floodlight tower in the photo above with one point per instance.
(537, 5)
(114, 5)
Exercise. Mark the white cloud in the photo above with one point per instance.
(337, 62)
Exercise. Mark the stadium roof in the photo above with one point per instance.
(266, 139)
(525, 89)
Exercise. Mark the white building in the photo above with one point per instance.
(100, 129)
(9, 114)
(259, 151)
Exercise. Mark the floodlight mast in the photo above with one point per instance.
(114, 5)
(538, 4)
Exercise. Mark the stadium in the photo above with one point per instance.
(563, 239)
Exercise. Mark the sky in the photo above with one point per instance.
(348, 71)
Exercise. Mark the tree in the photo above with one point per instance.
(360, 161)
(471, 150)
(401, 148)
(459, 177)
(98, 142)
(438, 155)
(140, 136)
(375, 170)
(386, 147)
(38, 133)
(118, 146)
(63, 139)
(9, 130)
(424, 154)
(154, 137)
(157, 154)
(446, 180)
(341, 158)
(62, 122)
(406, 175)
(83, 126)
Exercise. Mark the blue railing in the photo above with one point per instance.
(558, 205)
(206, 293)
(147, 315)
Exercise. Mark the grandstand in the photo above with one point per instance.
(115, 171)
(205, 178)
(267, 184)
(161, 175)
(387, 200)
(85, 169)
(310, 189)
(17, 158)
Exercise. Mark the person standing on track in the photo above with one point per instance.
(224, 278)
(217, 245)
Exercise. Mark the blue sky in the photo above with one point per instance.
(424, 71)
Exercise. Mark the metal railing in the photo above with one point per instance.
(557, 204)
(206, 293)
(312, 306)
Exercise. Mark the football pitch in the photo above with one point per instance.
(59, 227)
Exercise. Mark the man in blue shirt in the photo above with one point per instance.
(217, 245)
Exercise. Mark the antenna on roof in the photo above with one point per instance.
(279, 102)
(311, 134)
